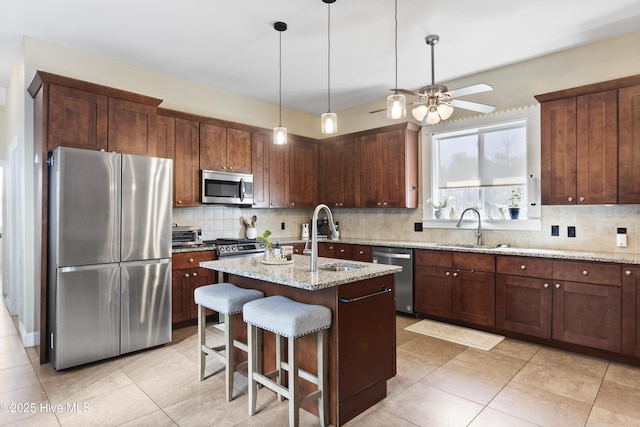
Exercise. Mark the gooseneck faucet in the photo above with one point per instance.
(478, 233)
(314, 233)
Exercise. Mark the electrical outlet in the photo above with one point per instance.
(417, 226)
(282, 226)
(555, 230)
(571, 231)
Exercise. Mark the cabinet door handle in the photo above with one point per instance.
(341, 251)
(186, 275)
(361, 252)
(581, 199)
(585, 272)
(383, 290)
(179, 202)
(546, 285)
(230, 168)
(557, 285)
(523, 267)
(628, 272)
(447, 274)
(455, 274)
(224, 168)
(570, 199)
(190, 259)
(293, 204)
(379, 203)
(195, 274)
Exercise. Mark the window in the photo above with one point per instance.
(481, 163)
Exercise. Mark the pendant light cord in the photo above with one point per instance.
(396, 43)
(329, 57)
(280, 82)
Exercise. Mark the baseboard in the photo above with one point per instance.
(29, 339)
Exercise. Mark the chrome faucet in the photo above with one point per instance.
(477, 233)
(314, 233)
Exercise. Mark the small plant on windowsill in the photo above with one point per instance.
(439, 213)
(514, 202)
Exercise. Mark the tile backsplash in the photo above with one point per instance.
(595, 226)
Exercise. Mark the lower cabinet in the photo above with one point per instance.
(631, 311)
(459, 286)
(345, 251)
(574, 302)
(186, 277)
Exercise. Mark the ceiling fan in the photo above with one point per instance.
(436, 102)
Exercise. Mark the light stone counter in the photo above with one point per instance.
(297, 274)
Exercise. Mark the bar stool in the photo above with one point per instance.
(228, 300)
(292, 320)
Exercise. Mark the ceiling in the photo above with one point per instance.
(231, 45)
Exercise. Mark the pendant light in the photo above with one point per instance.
(280, 132)
(396, 103)
(329, 120)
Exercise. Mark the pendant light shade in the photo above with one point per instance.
(280, 132)
(329, 120)
(396, 103)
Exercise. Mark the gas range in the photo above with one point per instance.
(237, 247)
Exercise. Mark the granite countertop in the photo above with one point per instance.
(560, 254)
(297, 274)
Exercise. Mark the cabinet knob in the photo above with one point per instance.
(523, 267)
(179, 202)
(585, 272)
(362, 252)
(447, 274)
(330, 248)
(570, 199)
(455, 274)
(224, 168)
(628, 272)
(557, 285)
(384, 204)
(190, 259)
(293, 204)
(341, 251)
(581, 199)
(195, 274)
(379, 203)
(230, 168)
(186, 275)
(546, 285)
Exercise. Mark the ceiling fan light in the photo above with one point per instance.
(432, 116)
(279, 135)
(329, 123)
(419, 112)
(445, 111)
(396, 106)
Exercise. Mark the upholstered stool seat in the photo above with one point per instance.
(227, 300)
(291, 320)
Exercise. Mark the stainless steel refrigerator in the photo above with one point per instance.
(109, 282)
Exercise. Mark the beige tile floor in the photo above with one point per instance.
(437, 384)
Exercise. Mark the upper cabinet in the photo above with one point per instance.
(225, 149)
(303, 172)
(340, 172)
(389, 167)
(79, 114)
(587, 144)
(186, 181)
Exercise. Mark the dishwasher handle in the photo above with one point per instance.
(392, 255)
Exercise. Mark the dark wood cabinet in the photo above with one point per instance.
(629, 145)
(186, 161)
(345, 251)
(456, 285)
(186, 277)
(389, 168)
(326, 249)
(133, 129)
(77, 118)
(224, 149)
(340, 173)
(278, 176)
(362, 253)
(260, 169)
(303, 173)
(524, 295)
(630, 328)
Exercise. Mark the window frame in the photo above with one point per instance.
(531, 115)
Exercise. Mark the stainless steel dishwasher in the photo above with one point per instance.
(404, 279)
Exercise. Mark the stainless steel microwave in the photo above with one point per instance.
(226, 188)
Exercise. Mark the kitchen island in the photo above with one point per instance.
(362, 342)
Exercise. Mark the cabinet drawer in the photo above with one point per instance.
(434, 258)
(523, 266)
(588, 272)
(475, 262)
(191, 259)
(362, 253)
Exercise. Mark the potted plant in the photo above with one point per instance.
(514, 202)
(439, 214)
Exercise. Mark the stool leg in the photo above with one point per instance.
(323, 375)
(294, 399)
(229, 359)
(279, 351)
(253, 358)
(201, 338)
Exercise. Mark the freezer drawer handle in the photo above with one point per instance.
(392, 255)
(383, 290)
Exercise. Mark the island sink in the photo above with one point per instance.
(341, 266)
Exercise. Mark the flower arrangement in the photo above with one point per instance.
(516, 197)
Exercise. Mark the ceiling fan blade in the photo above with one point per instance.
(409, 92)
(377, 111)
(468, 90)
(474, 106)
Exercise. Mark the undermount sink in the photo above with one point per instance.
(340, 266)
